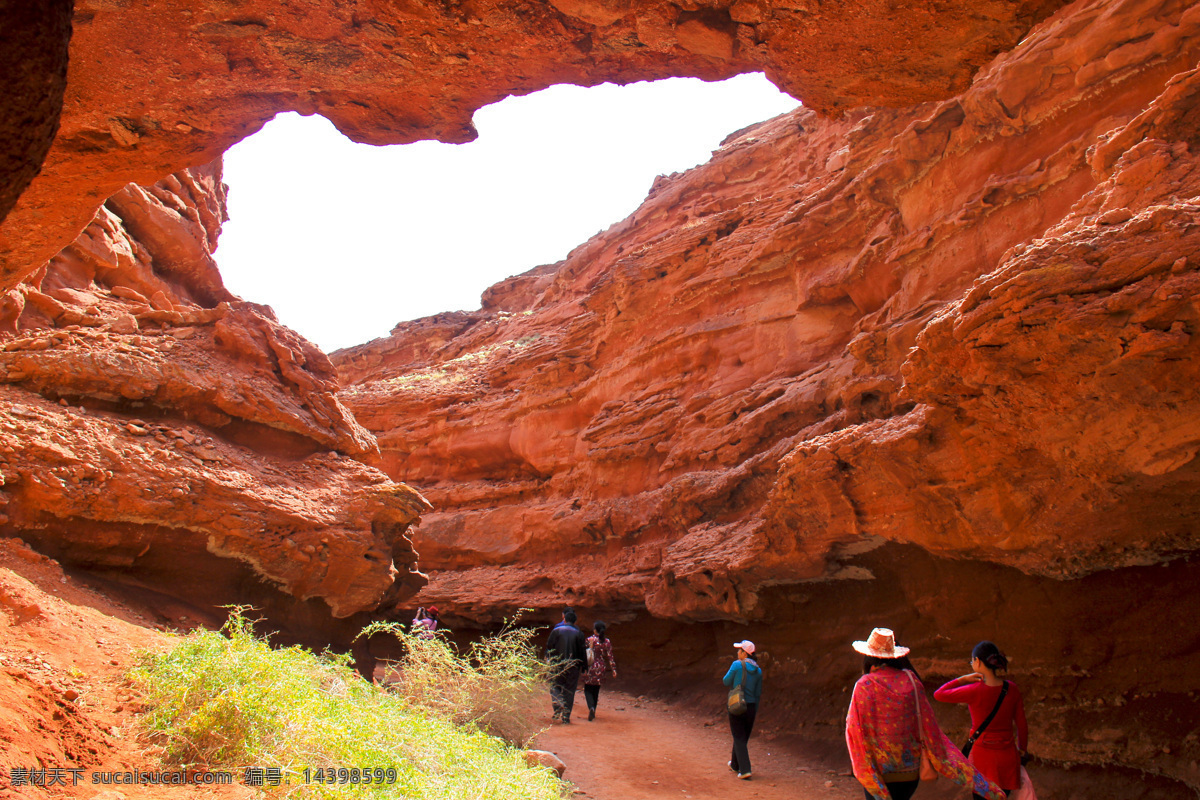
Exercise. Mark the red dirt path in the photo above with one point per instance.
(641, 749)
(66, 645)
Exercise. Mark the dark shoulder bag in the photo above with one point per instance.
(966, 748)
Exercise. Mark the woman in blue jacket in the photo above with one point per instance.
(746, 672)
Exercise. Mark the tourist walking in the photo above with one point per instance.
(999, 734)
(745, 673)
(602, 662)
(566, 650)
(893, 737)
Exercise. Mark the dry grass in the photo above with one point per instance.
(499, 684)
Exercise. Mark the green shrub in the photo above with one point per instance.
(231, 701)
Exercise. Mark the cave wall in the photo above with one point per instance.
(34, 39)
(1073, 645)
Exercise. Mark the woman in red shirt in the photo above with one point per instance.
(998, 749)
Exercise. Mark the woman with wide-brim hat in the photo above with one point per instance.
(890, 726)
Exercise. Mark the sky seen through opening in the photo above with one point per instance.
(345, 240)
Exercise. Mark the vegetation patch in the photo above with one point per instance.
(228, 700)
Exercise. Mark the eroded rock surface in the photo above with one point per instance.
(968, 325)
(943, 325)
(157, 87)
(149, 418)
(928, 366)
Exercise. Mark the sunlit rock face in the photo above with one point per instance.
(156, 428)
(951, 325)
(923, 365)
(157, 87)
(967, 326)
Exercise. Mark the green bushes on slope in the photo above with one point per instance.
(231, 701)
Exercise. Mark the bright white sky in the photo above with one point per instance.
(344, 240)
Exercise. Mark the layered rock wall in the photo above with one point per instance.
(968, 326)
(150, 418)
(710, 392)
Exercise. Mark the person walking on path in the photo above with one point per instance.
(567, 651)
(891, 732)
(744, 672)
(602, 661)
(995, 751)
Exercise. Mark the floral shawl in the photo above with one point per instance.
(884, 735)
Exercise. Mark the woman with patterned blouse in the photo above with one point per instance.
(890, 725)
(602, 662)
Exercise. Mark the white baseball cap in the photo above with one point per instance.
(746, 645)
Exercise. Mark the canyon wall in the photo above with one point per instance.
(150, 420)
(966, 327)
(131, 318)
(921, 354)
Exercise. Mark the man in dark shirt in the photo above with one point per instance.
(567, 649)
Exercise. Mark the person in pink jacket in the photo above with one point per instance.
(425, 622)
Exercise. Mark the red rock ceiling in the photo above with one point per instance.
(158, 87)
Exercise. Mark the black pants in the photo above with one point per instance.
(562, 693)
(740, 725)
(900, 790)
(592, 695)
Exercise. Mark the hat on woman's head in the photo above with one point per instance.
(432, 610)
(881, 644)
(746, 645)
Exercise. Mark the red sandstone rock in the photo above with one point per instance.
(963, 329)
(967, 326)
(189, 425)
(722, 391)
(137, 500)
(33, 62)
(155, 88)
(544, 758)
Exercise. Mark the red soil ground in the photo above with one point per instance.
(649, 750)
(64, 704)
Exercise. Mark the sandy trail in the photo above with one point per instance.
(648, 750)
